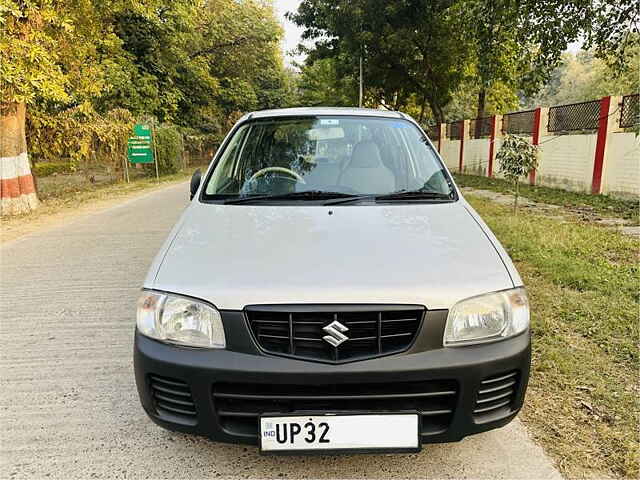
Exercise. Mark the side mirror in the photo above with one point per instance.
(195, 183)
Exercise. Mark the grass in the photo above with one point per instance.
(582, 403)
(602, 205)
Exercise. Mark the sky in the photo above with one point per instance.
(292, 33)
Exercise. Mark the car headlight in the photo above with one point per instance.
(487, 318)
(180, 320)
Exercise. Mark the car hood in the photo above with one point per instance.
(238, 255)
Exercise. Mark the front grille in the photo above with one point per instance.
(495, 396)
(173, 399)
(298, 331)
(238, 405)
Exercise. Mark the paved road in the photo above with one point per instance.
(68, 402)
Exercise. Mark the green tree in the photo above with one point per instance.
(241, 41)
(199, 61)
(152, 72)
(498, 49)
(518, 43)
(192, 63)
(44, 47)
(419, 51)
(517, 158)
(499, 98)
(608, 27)
(583, 76)
(413, 51)
(321, 85)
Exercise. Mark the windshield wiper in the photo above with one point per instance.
(399, 195)
(350, 199)
(416, 195)
(336, 198)
(304, 195)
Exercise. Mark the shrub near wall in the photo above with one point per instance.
(169, 147)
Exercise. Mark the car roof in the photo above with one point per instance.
(312, 111)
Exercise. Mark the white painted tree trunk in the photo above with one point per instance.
(17, 188)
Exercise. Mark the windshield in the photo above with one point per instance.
(337, 155)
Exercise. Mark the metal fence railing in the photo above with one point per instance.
(480, 127)
(519, 123)
(575, 116)
(630, 111)
(453, 130)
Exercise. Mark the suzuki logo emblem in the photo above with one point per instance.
(335, 337)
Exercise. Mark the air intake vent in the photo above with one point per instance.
(362, 331)
(238, 406)
(495, 396)
(173, 399)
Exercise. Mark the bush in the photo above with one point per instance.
(89, 138)
(44, 169)
(198, 142)
(169, 147)
(80, 134)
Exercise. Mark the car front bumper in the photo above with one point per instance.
(221, 393)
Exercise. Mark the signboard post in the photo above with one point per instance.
(141, 146)
(155, 152)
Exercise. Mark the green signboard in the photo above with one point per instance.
(140, 145)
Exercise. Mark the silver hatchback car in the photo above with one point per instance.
(328, 289)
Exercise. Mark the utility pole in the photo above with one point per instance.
(361, 82)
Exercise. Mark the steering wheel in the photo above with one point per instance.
(284, 170)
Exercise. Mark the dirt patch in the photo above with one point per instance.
(558, 212)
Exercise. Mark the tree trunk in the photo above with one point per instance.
(437, 111)
(17, 188)
(424, 102)
(515, 200)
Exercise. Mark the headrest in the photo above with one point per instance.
(365, 155)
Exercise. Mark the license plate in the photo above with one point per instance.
(363, 433)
